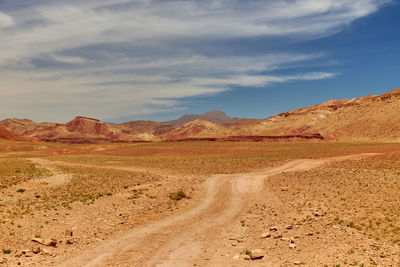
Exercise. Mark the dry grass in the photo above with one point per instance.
(15, 170)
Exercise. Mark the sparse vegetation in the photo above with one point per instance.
(344, 192)
(7, 251)
(178, 195)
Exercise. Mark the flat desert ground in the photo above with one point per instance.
(199, 204)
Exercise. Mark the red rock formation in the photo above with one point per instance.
(89, 126)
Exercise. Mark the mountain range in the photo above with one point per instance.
(366, 119)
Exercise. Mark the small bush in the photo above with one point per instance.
(21, 190)
(7, 251)
(178, 195)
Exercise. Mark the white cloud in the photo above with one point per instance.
(130, 57)
(66, 59)
(6, 20)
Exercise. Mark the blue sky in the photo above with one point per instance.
(120, 60)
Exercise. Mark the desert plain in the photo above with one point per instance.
(199, 204)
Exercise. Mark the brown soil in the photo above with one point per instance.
(224, 198)
(123, 215)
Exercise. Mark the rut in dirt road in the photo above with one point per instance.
(179, 240)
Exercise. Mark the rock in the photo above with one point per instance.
(36, 250)
(297, 263)
(46, 252)
(38, 240)
(289, 227)
(277, 236)
(246, 257)
(50, 242)
(284, 189)
(292, 245)
(25, 251)
(233, 244)
(310, 234)
(236, 257)
(265, 235)
(3, 260)
(273, 228)
(69, 242)
(69, 232)
(47, 242)
(256, 254)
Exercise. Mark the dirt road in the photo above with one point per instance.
(180, 240)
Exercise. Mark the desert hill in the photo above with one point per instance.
(370, 118)
(9, 135)
(213, 116)
(364, 119)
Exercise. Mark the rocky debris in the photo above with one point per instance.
(3, 260)
(46, 252)
(24, 252)
(277, 236)
(46, 242)
(265, 235)
(36, 250)
(69, 232)
(256, 254)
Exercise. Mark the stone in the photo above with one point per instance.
(25, 251)
(246, 257)
(36, 250)
(69, 242)
(236, 257)
(46, 252)
(38, 240)
(265, 235)
(289, 227)
(50, 242)
(273, 228)
(292, 245)
(3, 260)
(69, 232)
(47, 242)
(256, 254)
(297, 263)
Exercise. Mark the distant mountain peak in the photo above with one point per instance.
(213, 116)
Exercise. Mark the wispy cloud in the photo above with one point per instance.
(107, 58)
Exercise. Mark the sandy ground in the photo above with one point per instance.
(183, 239)
(230, 216)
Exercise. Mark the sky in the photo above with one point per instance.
(121, 60)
